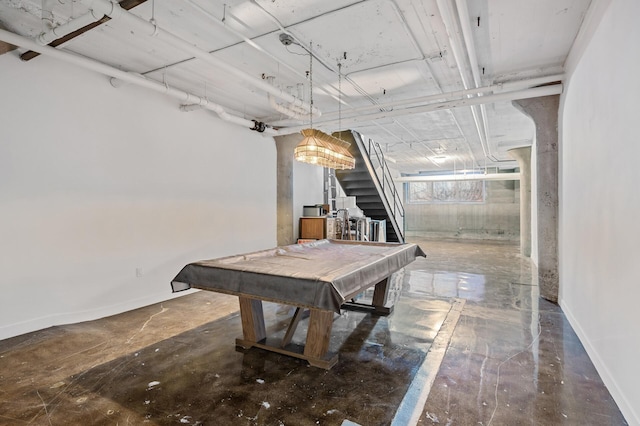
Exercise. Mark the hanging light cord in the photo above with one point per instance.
(340, 99)
(311, 84)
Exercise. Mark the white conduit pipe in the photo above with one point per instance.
(290, 111)
(68, 27)
(447, 18)
(508, 96)
(113, 10)
(130, 77)
(214, 19)
(536, 92)
(463, 17)
(455, 95)
(221, 24)
(470, 176)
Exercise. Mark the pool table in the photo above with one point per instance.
(321, 276)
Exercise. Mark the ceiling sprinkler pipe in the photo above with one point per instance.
(221, 24)
(114, 11)
(288, 111)
(457, 47)
(467, 39)
(536, 92)
(68, 27)
(455, 95)
(135, 78)
(291, 111)
(459, 177)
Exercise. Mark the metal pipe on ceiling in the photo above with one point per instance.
(239, 34)
(114, 11)
(444, 6)
(288, 110)
(303, 45)
(463, 18)
(283, 109)
(456, 177)
(130, 77)
(455, 95)
(535, 92)
(68, 27)
(402, 141)
(432, 75)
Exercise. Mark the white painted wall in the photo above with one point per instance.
(97, 182)
(308, 189)
(600, 201)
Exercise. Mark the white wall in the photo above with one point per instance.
(98, 183)
(600, 202)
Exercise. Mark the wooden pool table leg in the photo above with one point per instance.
(318, 337)
(380, 293)
(316, 349)
(380, 302)
(253, 328)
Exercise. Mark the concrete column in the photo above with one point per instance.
(285, 145)
(544, 112)
(523, 155)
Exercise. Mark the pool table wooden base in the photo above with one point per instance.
(316, 348)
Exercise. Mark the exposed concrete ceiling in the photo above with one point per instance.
(391, 52)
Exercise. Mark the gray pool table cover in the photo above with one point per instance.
(321, 274)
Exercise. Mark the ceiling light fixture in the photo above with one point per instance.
(318, 147)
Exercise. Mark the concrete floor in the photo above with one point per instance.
(511, 358)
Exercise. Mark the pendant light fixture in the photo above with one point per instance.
(318, 147)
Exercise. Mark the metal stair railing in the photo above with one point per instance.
(385, 180)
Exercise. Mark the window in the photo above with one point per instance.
(469, 191)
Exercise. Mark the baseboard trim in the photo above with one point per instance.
(17, 329)
(626, 408)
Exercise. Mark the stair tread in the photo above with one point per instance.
(359, 183)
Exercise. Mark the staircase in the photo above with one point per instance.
(371, 183)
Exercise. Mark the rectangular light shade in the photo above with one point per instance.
(324, 150)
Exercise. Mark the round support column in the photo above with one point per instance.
(544, 112)
(523, 155)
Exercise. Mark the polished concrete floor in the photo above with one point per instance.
(508, 358)
(513, 358)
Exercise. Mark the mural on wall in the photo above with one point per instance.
(470, 191)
